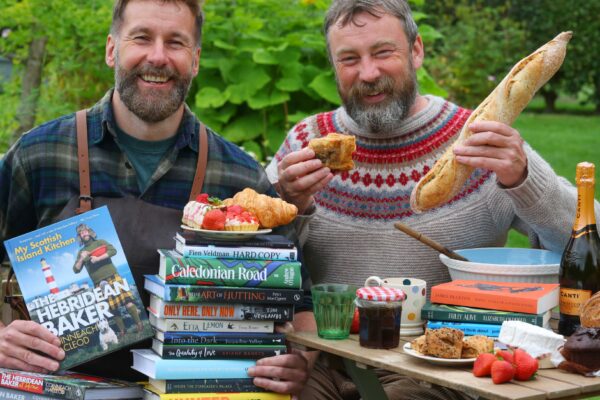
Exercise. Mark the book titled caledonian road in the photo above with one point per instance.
(65, 299)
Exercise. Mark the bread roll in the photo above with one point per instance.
(504, 104)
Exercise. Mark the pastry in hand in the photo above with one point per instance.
(270, 211)
(335, 151)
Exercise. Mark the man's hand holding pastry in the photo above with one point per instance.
(497, 147)
(301, 175)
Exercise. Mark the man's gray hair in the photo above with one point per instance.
(344, 12)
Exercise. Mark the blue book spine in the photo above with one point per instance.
(467, 328)
(150, 364)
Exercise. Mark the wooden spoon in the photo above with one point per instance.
(429, 242)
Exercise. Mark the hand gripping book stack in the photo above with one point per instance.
(214, 305)
(76, 282)
(480, 307)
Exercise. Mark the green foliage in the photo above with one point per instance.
(547, 18)
(480, 46)
(263, 67)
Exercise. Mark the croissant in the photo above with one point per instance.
(504, 104)
(270, 211)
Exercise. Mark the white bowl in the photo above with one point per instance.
(504, 264)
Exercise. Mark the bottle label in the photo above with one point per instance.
(572, 299)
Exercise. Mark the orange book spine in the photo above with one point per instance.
(494, 301)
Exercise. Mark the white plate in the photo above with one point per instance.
(435, 360)
(226, 235)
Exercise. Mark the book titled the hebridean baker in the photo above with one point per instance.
(76, 282)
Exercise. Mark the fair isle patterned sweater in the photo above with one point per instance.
(351, 234)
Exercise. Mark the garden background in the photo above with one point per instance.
(264, 67)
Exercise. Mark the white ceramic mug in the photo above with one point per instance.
(416, 295)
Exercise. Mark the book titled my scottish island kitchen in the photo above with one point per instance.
(76, 282)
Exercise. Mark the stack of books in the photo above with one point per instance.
(214, 305)
(480, 307)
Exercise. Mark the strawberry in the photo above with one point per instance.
(483, 364)
(502, 371)
(505, 355)
(205, 199)
(355, 322)
(525, 365)
(214, 220)
(235, 209)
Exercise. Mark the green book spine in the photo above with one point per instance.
(445, 312)
(178, 269)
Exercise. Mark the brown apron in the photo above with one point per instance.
(142, 228)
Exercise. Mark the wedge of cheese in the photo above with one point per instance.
(540, 343)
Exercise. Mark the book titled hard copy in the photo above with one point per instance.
(240, 252)
(67, 385)
(76, 282)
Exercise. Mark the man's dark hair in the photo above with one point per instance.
(195, 7)
(344, 12)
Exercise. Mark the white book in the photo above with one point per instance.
(209, 325)
(236, 252)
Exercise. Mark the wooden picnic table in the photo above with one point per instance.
(359, 363)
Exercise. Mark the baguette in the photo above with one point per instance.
(504, 104)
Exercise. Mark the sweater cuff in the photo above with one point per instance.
(534, 186)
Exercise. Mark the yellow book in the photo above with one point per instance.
(151, 395)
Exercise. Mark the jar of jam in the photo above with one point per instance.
(379, 312)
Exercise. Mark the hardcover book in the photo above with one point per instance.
(19, 395)
(270, 241)
(468, 328)
(68, 385)
(240, 252)
(150, 364)
(205, 294)
(204, 385)
(210, 325)
(175, 268)
(223, 311)
(532, 298)
(446, 312)
(215, 351)
(219, 338)
(76, 282)
(150, 395)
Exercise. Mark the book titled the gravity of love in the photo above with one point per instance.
(64, 299)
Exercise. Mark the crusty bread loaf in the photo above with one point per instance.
(504, 104)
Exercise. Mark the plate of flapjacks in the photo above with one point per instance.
(448, 346)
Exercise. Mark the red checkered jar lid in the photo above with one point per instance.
(379, 293)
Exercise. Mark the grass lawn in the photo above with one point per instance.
(563, 140)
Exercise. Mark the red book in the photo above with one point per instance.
(532, 298)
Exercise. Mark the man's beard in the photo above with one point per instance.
(151, 105)
(388, 115)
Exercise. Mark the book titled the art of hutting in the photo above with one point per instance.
(533, 298)
(76, 282)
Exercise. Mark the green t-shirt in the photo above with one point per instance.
(144, 155)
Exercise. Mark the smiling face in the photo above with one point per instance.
(375, 70)
(155, 58)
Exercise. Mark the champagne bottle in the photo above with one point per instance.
(580, 263)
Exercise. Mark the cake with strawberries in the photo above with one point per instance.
(239, 219)
(195, 210)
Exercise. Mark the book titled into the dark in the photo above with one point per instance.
(76, 282)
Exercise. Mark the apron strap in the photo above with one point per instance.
(201, 167)
(85, 196)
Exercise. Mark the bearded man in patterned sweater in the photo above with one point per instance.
(375, 50)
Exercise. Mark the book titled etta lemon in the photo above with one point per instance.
(524, 297)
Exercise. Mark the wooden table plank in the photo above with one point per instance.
(549, 384)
